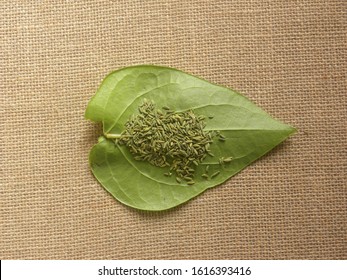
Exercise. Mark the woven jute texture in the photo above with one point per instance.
(289, 57)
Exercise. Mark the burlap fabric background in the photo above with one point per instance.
(289, 57)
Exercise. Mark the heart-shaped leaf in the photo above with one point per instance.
(249, 133)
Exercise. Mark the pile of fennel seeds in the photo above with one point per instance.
(168, 138)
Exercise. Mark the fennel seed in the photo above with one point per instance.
(215, 174)
(167, 138)
(175, 140)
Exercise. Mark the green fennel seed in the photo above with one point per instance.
(174, 139)
(227, 160)
(215, 174)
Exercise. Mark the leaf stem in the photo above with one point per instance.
(112, 136)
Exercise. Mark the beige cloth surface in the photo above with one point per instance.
(289, 57)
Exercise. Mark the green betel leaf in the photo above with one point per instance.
(247, 133)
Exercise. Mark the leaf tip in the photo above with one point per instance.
(293, 130)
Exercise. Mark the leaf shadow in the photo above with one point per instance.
(287, 144)
(158, 214)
